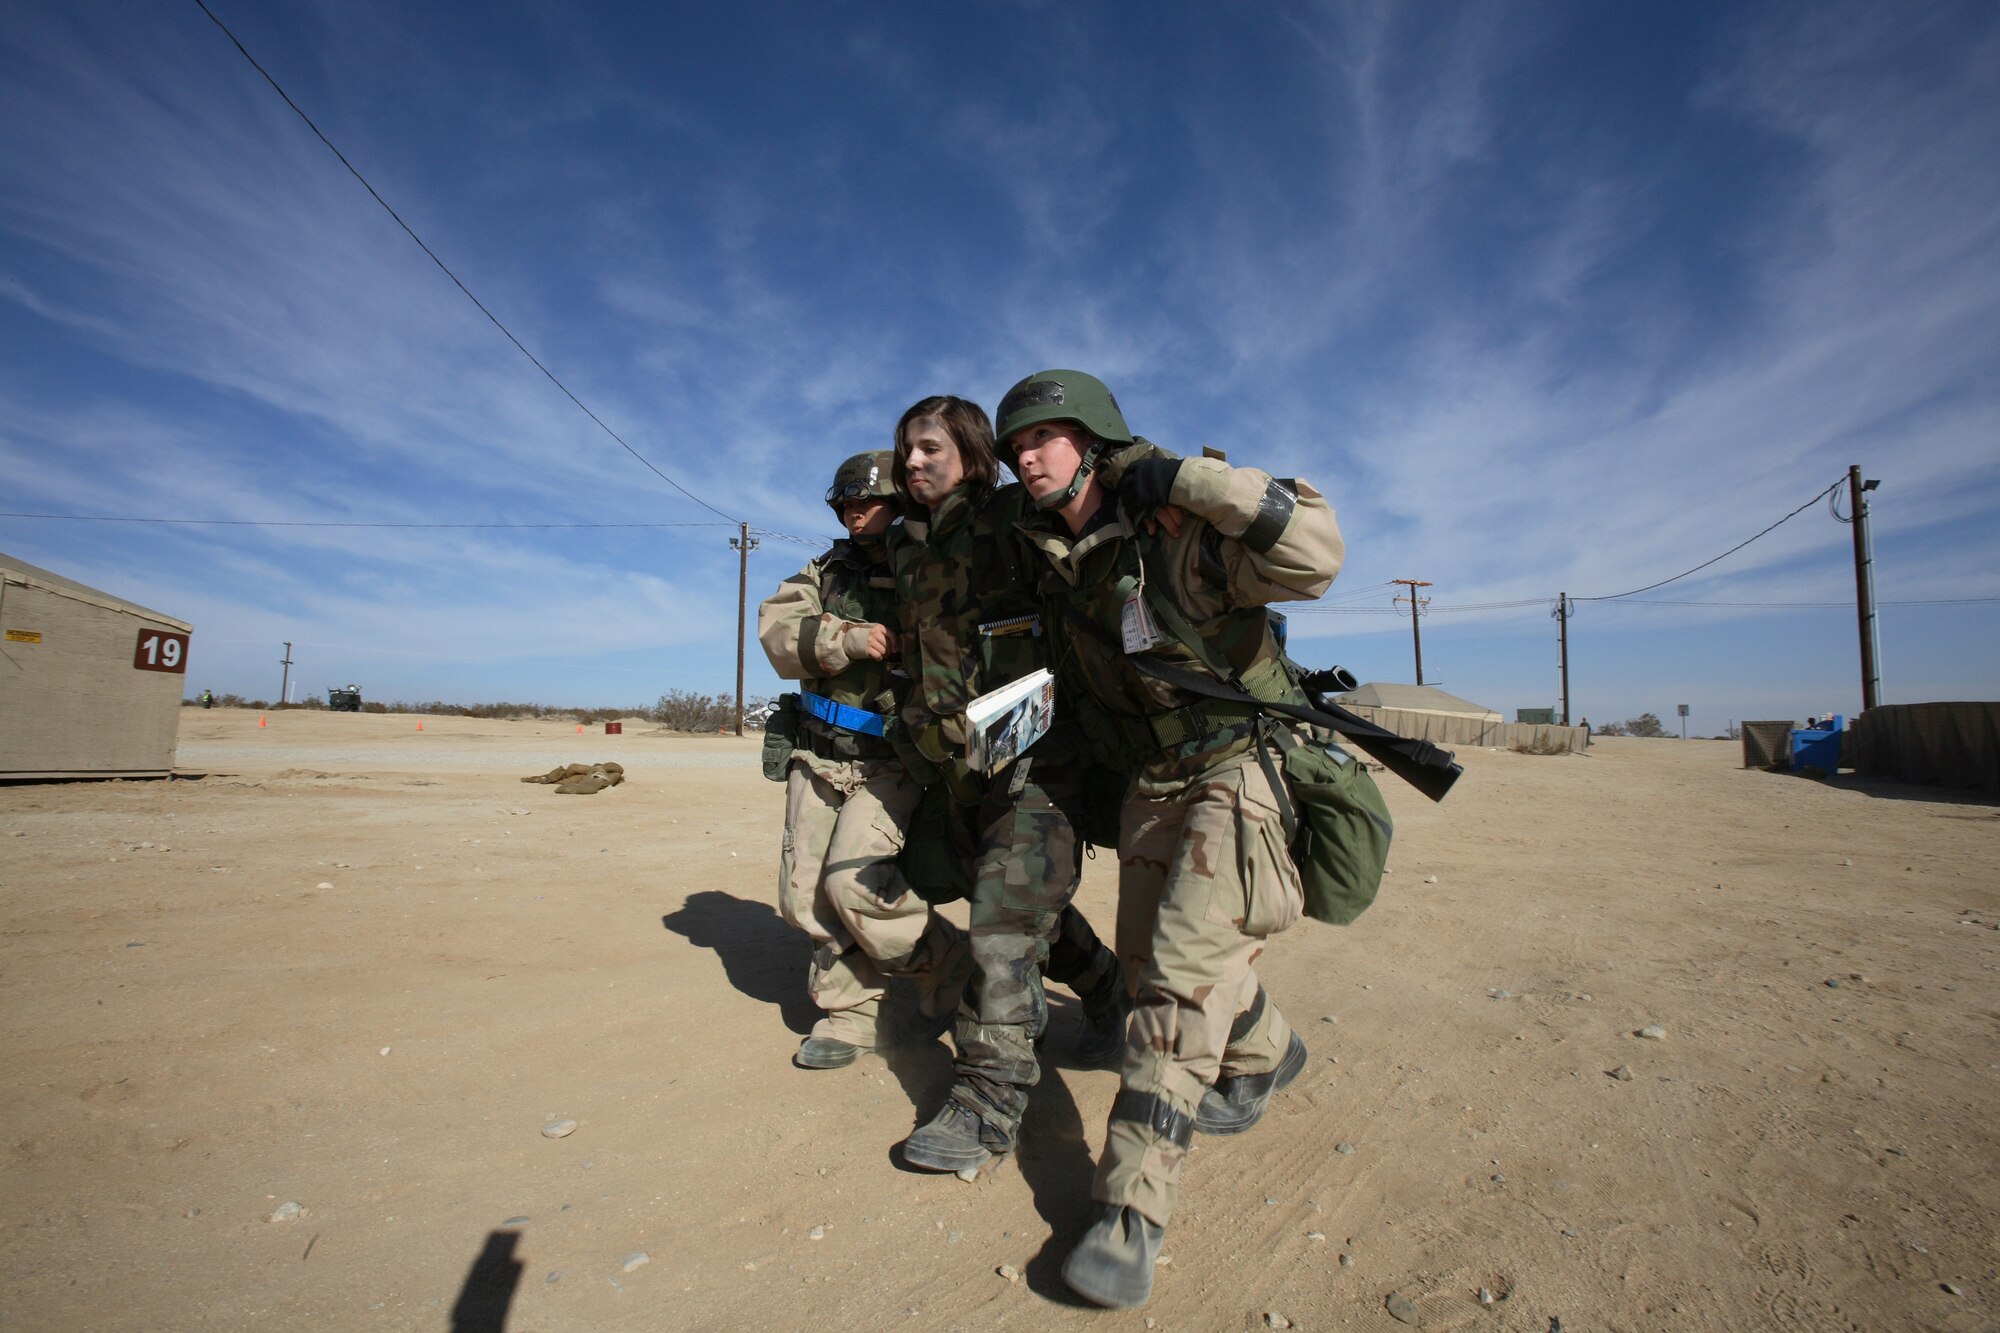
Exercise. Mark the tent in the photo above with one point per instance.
(1417, 699)
(90, 684)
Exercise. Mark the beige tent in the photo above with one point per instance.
(1425, 712)
(1416, 699)
(90, 684)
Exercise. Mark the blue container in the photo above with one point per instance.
(1818, 748)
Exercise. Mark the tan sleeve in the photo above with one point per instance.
(802, 640)
(1287, 546)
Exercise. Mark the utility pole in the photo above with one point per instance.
(1416, 613)
(285, 685)
(743, 545)
(1864, 585)
(1562, 639)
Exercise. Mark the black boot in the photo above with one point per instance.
(1235, 1104)
(1105, 1010)
(956, 1139)
(1113, 1263)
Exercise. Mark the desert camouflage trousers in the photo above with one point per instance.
(838, 882)
(1203, 879)
(1029, 857)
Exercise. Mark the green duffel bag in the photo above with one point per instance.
(1338, 828)
(781, 737)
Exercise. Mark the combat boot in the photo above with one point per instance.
(825, 1053)
(1113, 1264)
(1104, 1013)
(1234, 1104)
(956, 1139)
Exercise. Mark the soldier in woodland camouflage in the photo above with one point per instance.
(1205, 876)
(969, 625)
(848, 797)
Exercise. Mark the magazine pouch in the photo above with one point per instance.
(781, 737)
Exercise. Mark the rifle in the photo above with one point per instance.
(1424, 766)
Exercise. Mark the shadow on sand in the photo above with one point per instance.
(488, 1289)
(763, 957)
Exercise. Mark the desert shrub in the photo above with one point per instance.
(1645, 725)
(683, 710)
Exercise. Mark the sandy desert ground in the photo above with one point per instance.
(358, 968)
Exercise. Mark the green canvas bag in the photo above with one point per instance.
(1338, 829)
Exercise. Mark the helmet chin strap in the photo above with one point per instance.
(1060, 499)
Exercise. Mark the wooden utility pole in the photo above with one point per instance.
(1562, 639)
(1864, 585)
(285, 685)
(1416, 614)
(744, 544)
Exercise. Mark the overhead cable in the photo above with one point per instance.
(453, 276)
(332, 523)
(1612, 597)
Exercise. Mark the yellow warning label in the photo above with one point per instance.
(24, 636)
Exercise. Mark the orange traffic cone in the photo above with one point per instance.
(420, 726)
(579, 728)
(260, 721)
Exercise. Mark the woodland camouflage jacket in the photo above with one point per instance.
(970, 617)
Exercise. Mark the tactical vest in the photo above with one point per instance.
(1137, 724)
(853, 587)
(971, 619)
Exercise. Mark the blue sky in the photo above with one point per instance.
(1549, 298)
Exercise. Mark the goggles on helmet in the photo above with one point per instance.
(841, 492)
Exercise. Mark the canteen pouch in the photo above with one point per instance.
(781, 737)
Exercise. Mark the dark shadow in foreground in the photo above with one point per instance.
(763, 957)
(489, 1286)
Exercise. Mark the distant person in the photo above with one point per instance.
(848, 798)
(208, 698)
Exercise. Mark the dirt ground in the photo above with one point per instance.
(358, 968)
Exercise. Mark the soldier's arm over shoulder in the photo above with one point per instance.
(1286, 545)
(802, 639)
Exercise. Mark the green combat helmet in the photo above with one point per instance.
(1062, 395)
(862, 477)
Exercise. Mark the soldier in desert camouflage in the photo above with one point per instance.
(1205, 875)
(848, 797)
(970, 624)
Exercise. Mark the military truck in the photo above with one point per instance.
(344, 701)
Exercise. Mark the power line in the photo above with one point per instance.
(815, 543)
(453, 276)
(1612, 597)
(330, 523)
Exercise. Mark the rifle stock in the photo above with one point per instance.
(1424, 766)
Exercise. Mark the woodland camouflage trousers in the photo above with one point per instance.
(1024, 927)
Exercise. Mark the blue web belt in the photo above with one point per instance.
(845, 716)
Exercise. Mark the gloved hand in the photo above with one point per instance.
(1147, 483)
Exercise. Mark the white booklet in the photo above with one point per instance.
(1003, 722)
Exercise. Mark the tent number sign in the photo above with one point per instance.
(160, 650)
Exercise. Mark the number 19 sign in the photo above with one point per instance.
(161, 650)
